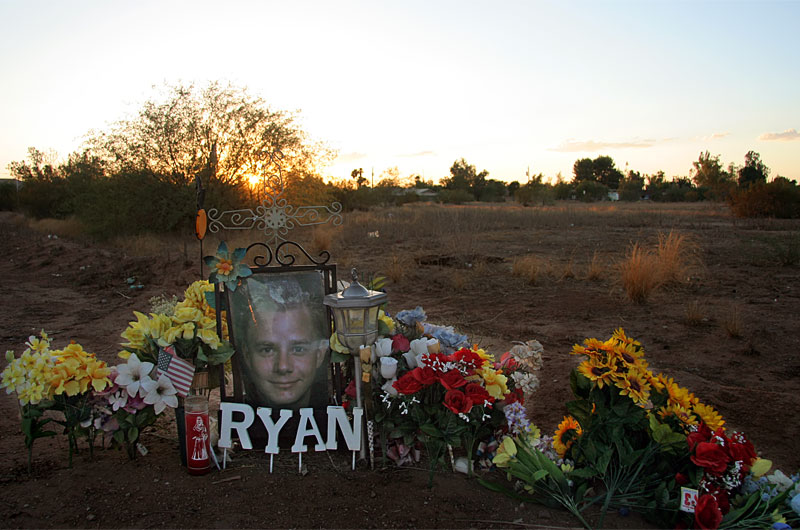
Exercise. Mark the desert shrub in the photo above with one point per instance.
(786, 251)
(135, 203)
(535, 193)
(779, 198)
(732, 322)
(456, 196)
(589, 191)
(8, 196)
(41, 198)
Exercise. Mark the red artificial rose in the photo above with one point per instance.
(467, 357)
(400, 343)
(681, 479)
(722, 501)
(711, 457)
(425, 375)
(740, 448)
(435, 360)
(478, 394)
(513, 397)
(407, 384)
(457, 401)
(707, 514)
(351, 389)
(507, 361)
(702, 434)
(452, 380)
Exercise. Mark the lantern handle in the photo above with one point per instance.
(354, 274)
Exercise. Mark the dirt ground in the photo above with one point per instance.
(76, 290)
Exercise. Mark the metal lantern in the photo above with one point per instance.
(355, 313)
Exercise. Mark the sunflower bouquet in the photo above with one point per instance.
(638, 440)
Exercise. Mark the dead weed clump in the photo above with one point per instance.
(639, 274)
(527, 267)
(644, 271)
(596, 269)
(397, 268)
(69, 227)
(695, 313)
(732, 322)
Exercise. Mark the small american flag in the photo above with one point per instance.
(179, 371)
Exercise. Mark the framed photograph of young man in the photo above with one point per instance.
(282, 332)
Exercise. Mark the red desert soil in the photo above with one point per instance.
(76, 290)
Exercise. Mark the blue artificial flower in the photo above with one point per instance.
(795, 504)
(765, 497)
(447, 337)
(781, 526)
(410, 317)
(227, 268)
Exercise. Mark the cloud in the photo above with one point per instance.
(786, 136)
(351, 157)
(421, 153)
(573, 146)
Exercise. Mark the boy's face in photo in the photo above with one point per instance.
(284, 357)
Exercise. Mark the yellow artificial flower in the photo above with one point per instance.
(506, 452)
(635, 386)
(487, 357)
(683, 415)
(760, 467)
(679, 395)
(383, 317)
(209, 336)
(494, 382)
(566, 434)
(187, 314)
(98, 372)
(619, 335)
(596, 372)
(709, 416)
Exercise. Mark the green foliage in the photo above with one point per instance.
(754, 170)
(131, 426)
(710, 174)
(535, 191)
(631, 187)
(455, 196)
(32, 425)
(589, 191)
(602, 169)
(133, 203)
(9, 200)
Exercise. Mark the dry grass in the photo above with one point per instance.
(528, 268)
(458, 280)
(323, 237)
(677, 257)
(568, 272)
(732, 322)
(644, 271)
(695, 313)
(397, 268)
(596, 269)
(639, 274)
(69, 227)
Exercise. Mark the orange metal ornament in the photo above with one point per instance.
(200, 224)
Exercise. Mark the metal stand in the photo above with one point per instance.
(362, 452)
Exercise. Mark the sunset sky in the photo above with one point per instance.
(419, 84)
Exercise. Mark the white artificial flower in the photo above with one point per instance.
(388, 388)
(118, 399)
(780, 480)
(383, 347)
(411, 359)
(388, 367)
(419, 347)
(161, 394)
(133, 375)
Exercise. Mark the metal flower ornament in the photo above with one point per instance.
(227, 267)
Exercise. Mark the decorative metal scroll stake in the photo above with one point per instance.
(276, 217)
